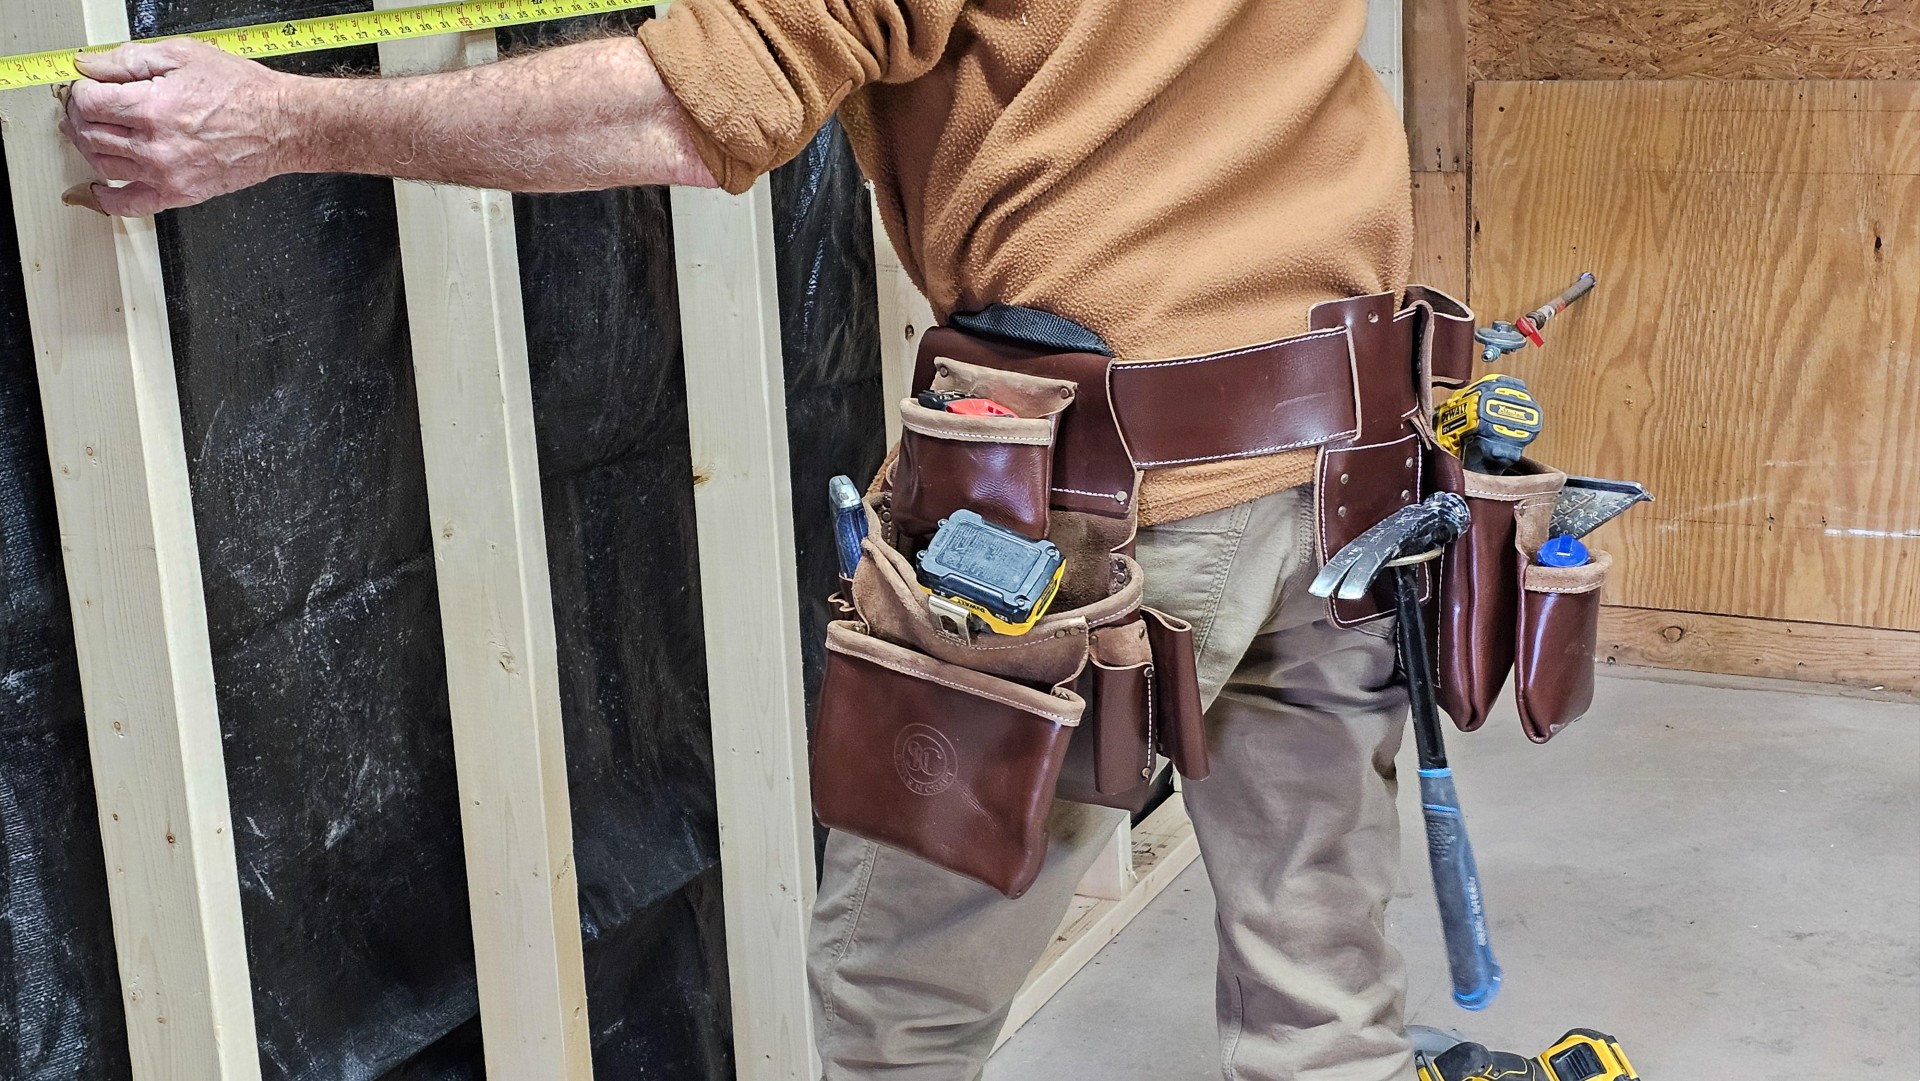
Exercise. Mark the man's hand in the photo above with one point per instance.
(182, 120)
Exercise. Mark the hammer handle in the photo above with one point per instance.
(1456, 880)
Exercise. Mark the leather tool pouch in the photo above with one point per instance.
(1500, 613)
(954, 749)
(952, 765)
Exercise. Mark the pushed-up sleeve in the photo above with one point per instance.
(758, 78)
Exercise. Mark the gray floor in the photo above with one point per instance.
(1727, 878)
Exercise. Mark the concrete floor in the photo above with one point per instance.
(1727, 877)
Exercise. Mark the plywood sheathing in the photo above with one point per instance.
(1694, 39)
(1750, 353)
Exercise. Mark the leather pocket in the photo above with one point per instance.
(999, 467)
(1111, 759)
(1181, 722)
(1554, 659)
(1479, 597)
(952, 766)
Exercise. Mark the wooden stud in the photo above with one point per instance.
(1436, 72)
(1440, 232)
(904, 316)
(1862, 658)
(98, 313)
(1380, 47)
(496, 606)
(1112, 875)
(736, 405)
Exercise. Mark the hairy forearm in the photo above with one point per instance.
(178, 122)
(584, 116)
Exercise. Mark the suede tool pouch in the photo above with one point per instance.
(999, 467)
(1559, 626)
(950, 765)
(1480, 575)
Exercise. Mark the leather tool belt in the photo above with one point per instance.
(954, 748)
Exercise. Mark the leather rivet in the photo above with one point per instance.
(1345, 477)
(1342, 512)
(1409, 463)
(1119, 497)
(1373, 317)
(1405, 494)
(1066, 392)
(1146, 772)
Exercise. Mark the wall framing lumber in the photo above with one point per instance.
(1380, 47)
(96, 305)
(1864, 658)
(904, 316)
(1163, 846)
(1440, 232)
(1748, 354)
(1436, 77)
(475, 395)
(736, 405)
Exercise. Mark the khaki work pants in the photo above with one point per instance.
(914, 968)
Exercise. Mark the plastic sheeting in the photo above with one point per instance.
(303, 444)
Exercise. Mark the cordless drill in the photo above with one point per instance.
(1580, 1055)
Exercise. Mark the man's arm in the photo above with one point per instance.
(183, 122)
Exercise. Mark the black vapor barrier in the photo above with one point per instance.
(303, 446)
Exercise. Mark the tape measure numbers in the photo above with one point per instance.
(330, 32)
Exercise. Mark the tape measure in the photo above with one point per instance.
(330, 32)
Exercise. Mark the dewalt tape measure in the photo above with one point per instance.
(330, 32)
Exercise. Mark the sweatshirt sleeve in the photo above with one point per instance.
(758, 78)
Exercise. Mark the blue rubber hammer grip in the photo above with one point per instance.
(1456, 882)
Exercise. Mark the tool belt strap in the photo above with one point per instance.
(1244, 403)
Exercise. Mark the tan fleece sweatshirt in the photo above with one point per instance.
(1180, 178)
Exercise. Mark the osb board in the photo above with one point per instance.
(1866, 658)
(1693, 39)
(1750, 351)
(1440, 232)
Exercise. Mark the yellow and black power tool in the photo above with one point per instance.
(1488, 423)
(1580, 1055)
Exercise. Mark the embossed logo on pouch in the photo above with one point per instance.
(925, 759)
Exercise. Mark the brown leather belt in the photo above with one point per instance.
(1350, 384)
(1245, 403)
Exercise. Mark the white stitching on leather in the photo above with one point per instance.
(1313, 442)
(1063, 719)
(1310, 337)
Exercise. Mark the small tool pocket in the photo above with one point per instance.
(950, 765)
(1480, 576)
(1554, 658)
(1180, 722)
(1111, 759)
(1000, 467)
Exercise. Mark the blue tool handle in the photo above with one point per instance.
(1456, 882)
(849, 523)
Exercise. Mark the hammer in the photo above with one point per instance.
(1407, 538)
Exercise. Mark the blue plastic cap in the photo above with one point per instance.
(1563, 551)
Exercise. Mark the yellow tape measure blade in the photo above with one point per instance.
(324, 32)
